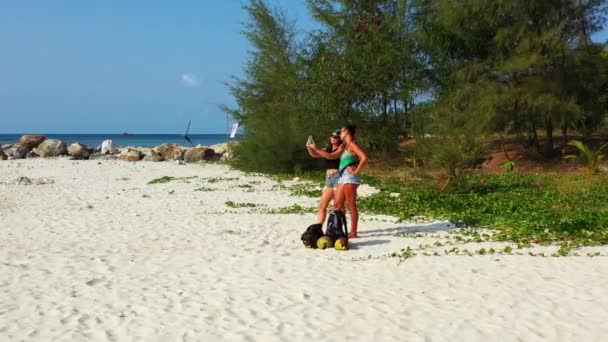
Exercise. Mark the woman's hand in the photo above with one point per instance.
(353, 170)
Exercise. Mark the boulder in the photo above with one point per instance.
(130, 154)
(223, 151)
(198, 153)
(18, 152)
(153, 157)
(31, 141)
(51, 148)
(169, 151)
(3, 155)
(79, 151)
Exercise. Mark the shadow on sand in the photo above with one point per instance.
(423, 228)
(354, 244)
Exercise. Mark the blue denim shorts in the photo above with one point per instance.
(349, 178)
(331, 181)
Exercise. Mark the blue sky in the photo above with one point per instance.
(123, 66)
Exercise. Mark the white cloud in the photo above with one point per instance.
(190, 80)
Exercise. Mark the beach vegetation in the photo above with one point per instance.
(231, 204)
(167, 179)
(587, 156)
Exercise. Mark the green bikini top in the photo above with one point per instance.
(347, 159)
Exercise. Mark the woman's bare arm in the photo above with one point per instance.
(312, 152)
(327, 155)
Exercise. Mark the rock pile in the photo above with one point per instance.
(32, 146)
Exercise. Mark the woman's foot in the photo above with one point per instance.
(352, 235)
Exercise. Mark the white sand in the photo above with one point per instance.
(100, 255)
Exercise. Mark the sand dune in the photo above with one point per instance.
(98, 254)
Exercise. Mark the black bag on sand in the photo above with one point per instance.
(312, 234)
(336, 225)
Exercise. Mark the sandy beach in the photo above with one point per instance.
(91, 252)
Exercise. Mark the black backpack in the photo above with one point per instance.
(336, 225)
(312, 234)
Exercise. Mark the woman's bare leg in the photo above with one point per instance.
(326, 196)
(350, 194)
(339, 198)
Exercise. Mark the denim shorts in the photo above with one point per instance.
(331, 181)
(349, 178)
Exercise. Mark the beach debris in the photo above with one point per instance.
(31, 141)
(78, 151)
(180, 162)
(51, 148)
(32, 181)
(94, 281)
(196, 154)
(108, 148)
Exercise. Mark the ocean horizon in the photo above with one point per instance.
(143, 140)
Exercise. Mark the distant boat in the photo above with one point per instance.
(125, 133)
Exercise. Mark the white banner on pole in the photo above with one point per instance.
(235, 126)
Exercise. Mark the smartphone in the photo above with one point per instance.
(310, 141)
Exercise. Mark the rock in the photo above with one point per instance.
(100, 156)
(180, 162)
(108, 148)
(153, 157)
(394, 194)
(78, 151)
(3, 155)
(198, 153)
(51, 148)
(169, 151)
(296, 179)
(224, 150)
(17, 152)
(31, 141)
(130, 154)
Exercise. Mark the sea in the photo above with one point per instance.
(144, 140)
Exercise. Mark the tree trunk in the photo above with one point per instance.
(564, 136)
(549, 129)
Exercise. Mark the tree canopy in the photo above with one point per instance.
(399, 68)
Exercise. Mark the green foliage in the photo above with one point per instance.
(406, 253)
(305, 190)
(508, 166)
(231, 204)
(167, 179)
(204, 189)
(522, 208)
(446, 72)
(292, 209)
(587, 156)
(164, 179)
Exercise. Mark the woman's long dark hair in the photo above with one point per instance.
(330, 147)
